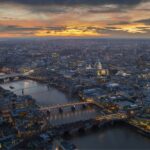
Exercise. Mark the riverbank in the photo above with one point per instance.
(138, 129)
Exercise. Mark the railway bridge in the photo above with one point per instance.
(74, 119)
(97, 122)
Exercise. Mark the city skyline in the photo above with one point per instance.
(78, 18)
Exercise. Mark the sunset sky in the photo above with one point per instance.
(75, 18)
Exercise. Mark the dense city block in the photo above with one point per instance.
(106, 80)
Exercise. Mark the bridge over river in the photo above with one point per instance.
(75, 115)
(12, 76)
(72, 104)
(96, 122)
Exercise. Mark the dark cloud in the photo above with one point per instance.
(107, 10)
(56, 10)
(10, 28)
(115, 32)
(75, 2)
(60, 28)
(145, 21)
(16, 28)
(62, 6)
(120, 23)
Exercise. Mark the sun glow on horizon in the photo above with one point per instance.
(133, 28)
(69, 32)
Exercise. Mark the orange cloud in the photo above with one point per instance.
(133, 28)
(10, 35)
(69, 31)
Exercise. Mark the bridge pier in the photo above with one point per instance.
(1, 81)
(95, 126)
(6, 80)
(66, 133)
(88, 126)
(11, 79)
(75, 130)
(81, 130)
(112, 122)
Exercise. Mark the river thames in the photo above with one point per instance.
(117, 137)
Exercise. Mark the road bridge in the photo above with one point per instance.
(49, 108)
(12, 76)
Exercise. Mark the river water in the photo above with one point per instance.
(40, 92)
(120, 137)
